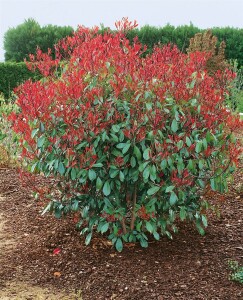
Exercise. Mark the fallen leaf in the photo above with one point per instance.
(56, 251)
(57, 274)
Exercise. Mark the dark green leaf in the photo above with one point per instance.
(182, 213)
(174, 125)
(61, 168)
(107, 188)
(149, 227)
(156, 235)
(169, 189)
(104, 228)
(88, 238)
(119, 245)
(99, 183)
(153, 190)
(137, 153)
(173, 198)
(146, 154)
(126, 148)
(73, 174)
(91, 175)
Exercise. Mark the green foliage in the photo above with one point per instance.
(9, 145)
(23, 40)
(13, 74)
(234, 42)
(150, 35)
(236, 271)
(234, 99)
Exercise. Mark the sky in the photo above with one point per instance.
(201, 13)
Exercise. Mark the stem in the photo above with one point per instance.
(124, 229)
(133, 207)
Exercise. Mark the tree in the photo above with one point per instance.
(23, 40)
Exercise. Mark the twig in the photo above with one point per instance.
(133, 207)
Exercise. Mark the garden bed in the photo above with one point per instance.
(188, 267)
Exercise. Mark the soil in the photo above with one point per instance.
(188, 267)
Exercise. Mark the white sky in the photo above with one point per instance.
(202, 13)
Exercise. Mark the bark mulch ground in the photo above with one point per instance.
(188, 267)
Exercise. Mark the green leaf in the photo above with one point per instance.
(113, 173)
(143, 166)
(99, 183)
(146, 154)
(205, 143)
(143, 243)
(204, 221)
(200, 164)
(119, 245)
(91, 175)
(156, 236)
(41, 141)
(33, 167)
(121, 176)
(173, 198)
(104, 228)
(169, 189)
(107, 188)
(199, 228)
(180, 144)
(163, 164)
(42, 127)
(98, 165)
(61, 168)
(115, 128)
(198, 147)
(133, 162)
(188, 141)
(174, 125)
(34, 132)
(137, 153)
(153, 190)
(149, 227)
(213, 184)
(73, 174)
(121, 145)
(126, 148)
(182, 213)
(146, 172)
(88, 239)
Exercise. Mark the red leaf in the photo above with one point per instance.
(56, 251)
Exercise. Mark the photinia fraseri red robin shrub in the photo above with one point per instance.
(132, 141)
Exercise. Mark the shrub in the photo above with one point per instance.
(207, 42)
(131, 141)
(236, 271)
(9, 149)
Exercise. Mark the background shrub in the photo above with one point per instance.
(24, 39)
(9, 148)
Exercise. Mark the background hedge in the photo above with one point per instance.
(13, 74)
(22, 40)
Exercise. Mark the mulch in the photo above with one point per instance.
(188, 267)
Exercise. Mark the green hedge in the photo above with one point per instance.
(13, 74)
(150, 35)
